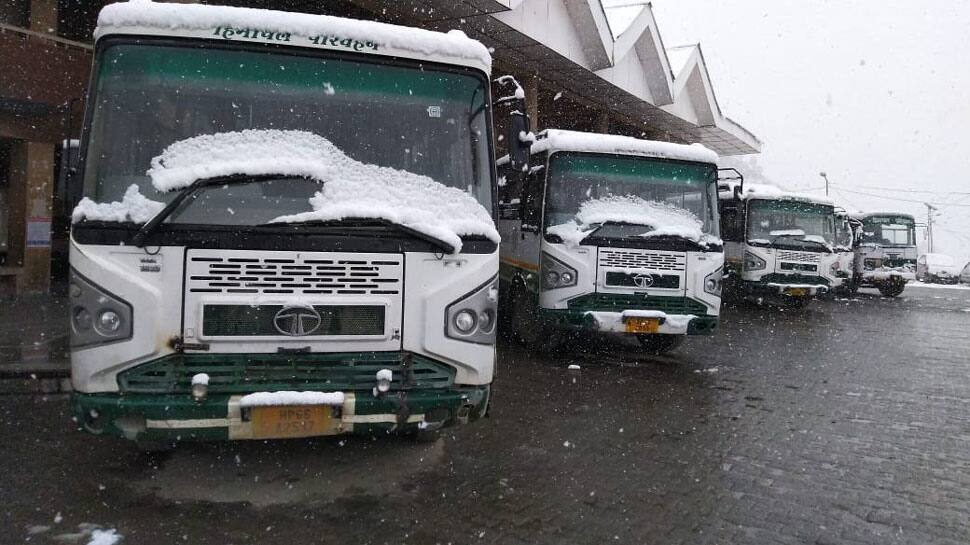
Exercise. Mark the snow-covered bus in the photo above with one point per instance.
(287, 228)
(844, 247)
(611, 234)
(885, 255)
(778, 245)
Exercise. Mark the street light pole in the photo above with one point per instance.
(826, 178)
(929, 227)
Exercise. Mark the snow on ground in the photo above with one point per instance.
(659, 219)
(352, 34)
(917, 284)
(133, 207)
(350, 189)
(105, 537)
(274, 399)
(560, 140)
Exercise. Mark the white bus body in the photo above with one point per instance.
(885, 255)
(779, 246)
(227, 322)
(582, 242)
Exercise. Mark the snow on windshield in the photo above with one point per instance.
(133, 207)
(658, 219)
(350, 189)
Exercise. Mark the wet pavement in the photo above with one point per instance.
(845, 422)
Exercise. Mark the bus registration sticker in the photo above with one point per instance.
(291, 421)
(642, 325)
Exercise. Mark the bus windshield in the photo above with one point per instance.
(429, 122)
(790, 224)
(576, 178)
(889, 231)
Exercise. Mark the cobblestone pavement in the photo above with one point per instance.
(846, 422)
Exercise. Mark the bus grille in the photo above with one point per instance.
(800, 257)
(642, 259)
(229, 272)
(246, 373)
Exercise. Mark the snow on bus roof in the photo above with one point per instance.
(349, 188)
(562, 140)
(769, 192)
(862, 215)
(293, 29)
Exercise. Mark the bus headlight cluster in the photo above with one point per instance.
(713, 282)
(97, 316)
(753, 262)
(556, 274)
(472, 318)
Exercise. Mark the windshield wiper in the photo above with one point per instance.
(446, 247)
(151, 225)
(805, 240)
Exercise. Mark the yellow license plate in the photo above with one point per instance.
(797, 292)
(291, 421)
(642, 325)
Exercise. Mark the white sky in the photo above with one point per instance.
(873, 93)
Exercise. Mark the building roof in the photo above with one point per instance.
(291, 29)
(570, 44)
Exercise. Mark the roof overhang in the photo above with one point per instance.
(568, 43)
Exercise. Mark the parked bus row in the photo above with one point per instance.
(293, 225)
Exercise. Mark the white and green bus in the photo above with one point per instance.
(885, 254)
(779, 246)
(611, 234)
(287, 228)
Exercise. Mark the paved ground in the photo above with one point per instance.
(847, 422)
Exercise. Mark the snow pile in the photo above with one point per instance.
(200, 379)
(105, 537)
(663, 219)
(560, 140)
(350, 189)
(134, 207)
(285, 398)
(356, 35)
(385, 374)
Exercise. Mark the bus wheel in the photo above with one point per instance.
(660, 344)
(892, 289)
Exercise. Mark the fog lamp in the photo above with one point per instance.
(200, 386)
(82, 319)
(465, 321)
(109, 321)
(486, 319)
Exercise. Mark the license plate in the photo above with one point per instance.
(291, 421)
(797, 292)
(642, 325)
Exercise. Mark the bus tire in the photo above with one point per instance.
(660, 344)
(892, 289)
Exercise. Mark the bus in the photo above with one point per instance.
(610, 234)
(885, 256)
(287, 227)
(779, 246)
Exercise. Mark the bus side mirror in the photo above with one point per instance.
(69, 185)
(519, 136)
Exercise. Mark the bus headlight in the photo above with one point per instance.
(753, 262)
(556, 274)
(472, 317)
(97, 316)
(712, 282)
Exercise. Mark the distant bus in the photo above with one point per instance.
(885, 255)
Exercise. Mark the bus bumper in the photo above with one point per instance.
(178, 417)
(616, 322)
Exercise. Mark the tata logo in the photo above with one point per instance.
(643, 281)
(297, 321)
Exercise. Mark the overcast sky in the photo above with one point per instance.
(873, 93)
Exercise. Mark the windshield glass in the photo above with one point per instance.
(575, 179)
(889, 231)
(147, 97)
(789, 223)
